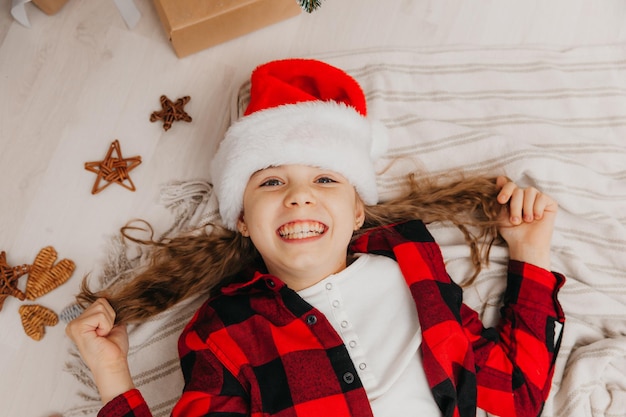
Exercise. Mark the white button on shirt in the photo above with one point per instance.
(371, 308)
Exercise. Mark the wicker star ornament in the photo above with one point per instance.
(113, 169)
(9, 277)
(172, 111)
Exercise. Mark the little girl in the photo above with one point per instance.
(324, 301)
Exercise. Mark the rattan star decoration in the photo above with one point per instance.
(171, 112)
(9, 277)
(114, 168)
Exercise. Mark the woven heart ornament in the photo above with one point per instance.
(44, 276)
(35, 318)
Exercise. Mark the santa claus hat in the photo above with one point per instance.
(302, 112)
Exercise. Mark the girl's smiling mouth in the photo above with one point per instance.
(301, 230)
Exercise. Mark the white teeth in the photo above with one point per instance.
(301, 230)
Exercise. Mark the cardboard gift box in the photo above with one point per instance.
(50, 7)
(193, 25)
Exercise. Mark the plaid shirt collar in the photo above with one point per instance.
(259, 282)
(263, 281)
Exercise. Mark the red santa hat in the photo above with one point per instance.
(303, 112)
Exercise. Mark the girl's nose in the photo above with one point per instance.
(299, 195)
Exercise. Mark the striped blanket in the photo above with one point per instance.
(548, 117)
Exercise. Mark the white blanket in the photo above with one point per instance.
(547, 117)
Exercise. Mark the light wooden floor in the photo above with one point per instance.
(76, 81)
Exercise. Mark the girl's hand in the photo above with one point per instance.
(104, 348)
(526, 222)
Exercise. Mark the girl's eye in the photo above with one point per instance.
(272, 182)
(325, 180)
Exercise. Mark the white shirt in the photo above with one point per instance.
(371, 307)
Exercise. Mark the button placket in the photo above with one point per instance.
(333, 295)
(335, 300)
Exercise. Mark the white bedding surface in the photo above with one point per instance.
(548, 117)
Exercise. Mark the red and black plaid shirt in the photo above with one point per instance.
(259, 349)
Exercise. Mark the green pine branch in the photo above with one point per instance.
(309, 5)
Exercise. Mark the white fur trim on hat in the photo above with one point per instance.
(323, 134)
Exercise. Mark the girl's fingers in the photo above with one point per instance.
(106, 316)
(516, 205)
(540, 205)
(506, 189)
(501, 181)
(103, 304)
(529, 205)
(544, 205)
(524, 204)
(98, 318)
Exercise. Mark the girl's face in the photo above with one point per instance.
(300, 219)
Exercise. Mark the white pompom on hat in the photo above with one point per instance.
(303, 112)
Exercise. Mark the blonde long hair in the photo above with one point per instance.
(204, 261)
